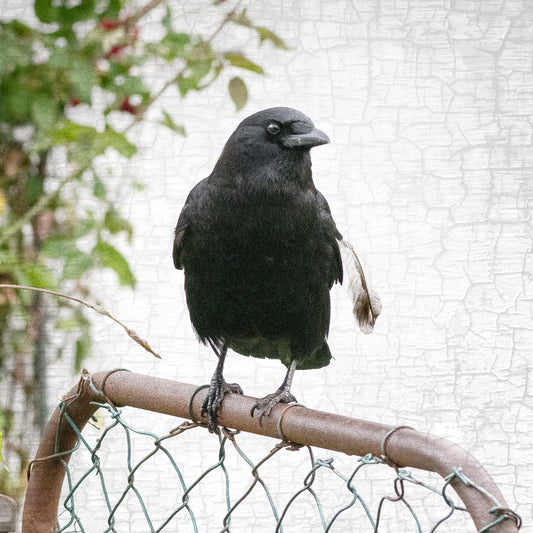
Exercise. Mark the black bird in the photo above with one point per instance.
(260, 252)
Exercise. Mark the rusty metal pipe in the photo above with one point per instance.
(47, 473)
(404, 447)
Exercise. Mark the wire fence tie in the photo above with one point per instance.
(384, 442)
(458, 472)
(280, 419)
(325, 462)
(370, 459)
(504, 513)
(189, 405)
(405, 475)
(49, 457)
(102, 389)
(180, 429)
(501, 513)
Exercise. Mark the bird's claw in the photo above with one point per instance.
(265, 405)
(213, 401)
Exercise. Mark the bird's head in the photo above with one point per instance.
(283, 126)
(272, 136)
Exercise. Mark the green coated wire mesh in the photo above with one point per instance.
(124, 479)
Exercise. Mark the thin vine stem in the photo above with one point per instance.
(95, 307)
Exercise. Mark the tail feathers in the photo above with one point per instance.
(366, 303)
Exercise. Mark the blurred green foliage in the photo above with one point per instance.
(58, 226)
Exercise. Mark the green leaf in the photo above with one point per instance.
(83, 11)
(37, 275)
(45, 11)
(17, 51)
(242, 19)
(166, 21)
(185, 84)
(72, 132)
(132, 85)
(267, 35)
(238, 92)
(67, 324)
(112, 11)
(83, 226)
(200, 52)
(60, 58)
(16, 110)
(264, 33)
(118, 141)
(200, 69)
(99, 188)
(110, 257)
(83, 77)
(174, 45)
(19, 29)
(34, 188)
(115, 223)
(169, 123)
(85, 140)
(238, 60)
(89, 140)
(83, 349)
(48, 11)
(1, 440)
(76, 264)
(57, 247)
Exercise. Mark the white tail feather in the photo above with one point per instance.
(366, 303)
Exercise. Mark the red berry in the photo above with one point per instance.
(128, 107)
(116, 51)
(74, 102)
(107, 24)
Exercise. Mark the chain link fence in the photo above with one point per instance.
(119, 477)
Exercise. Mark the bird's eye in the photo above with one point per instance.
(273, 128)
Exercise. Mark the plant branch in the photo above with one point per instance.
(139, 116)
(95, 307)
(145, 10)
(45, 199)
(38, 206)
(225, 20)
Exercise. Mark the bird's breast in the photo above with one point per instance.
(258, 266)
(257, 238)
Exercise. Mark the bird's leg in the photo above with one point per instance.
(282, 395)
(215, 394)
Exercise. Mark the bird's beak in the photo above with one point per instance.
(315, 137)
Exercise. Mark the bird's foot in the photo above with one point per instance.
(265, 405)
(213, 401)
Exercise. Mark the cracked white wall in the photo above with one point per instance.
(429, 107)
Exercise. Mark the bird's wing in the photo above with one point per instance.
(366, 303)
(334, 235)
(186, 220)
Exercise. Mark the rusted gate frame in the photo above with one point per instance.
(404, 447)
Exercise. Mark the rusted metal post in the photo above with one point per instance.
(404, 447)
(47, 473)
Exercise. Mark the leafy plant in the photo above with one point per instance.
(59, 226)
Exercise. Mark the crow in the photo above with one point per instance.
(260, 253)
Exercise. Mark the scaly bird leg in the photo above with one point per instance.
(282, 395)
(216, 392)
